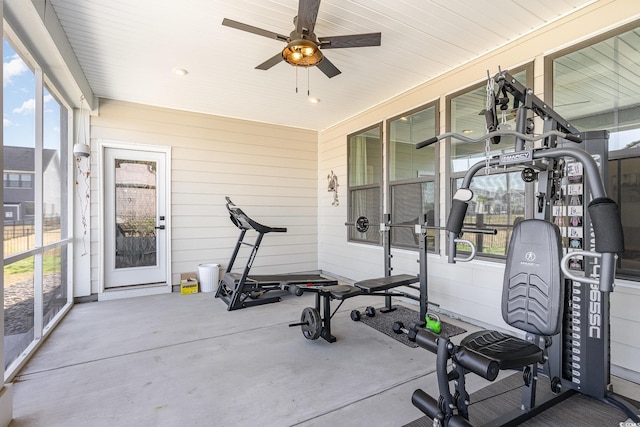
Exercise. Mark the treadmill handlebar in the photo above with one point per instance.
(243, 222)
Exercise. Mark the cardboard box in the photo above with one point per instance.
(188, 283)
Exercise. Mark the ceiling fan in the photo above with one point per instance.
(303, 46)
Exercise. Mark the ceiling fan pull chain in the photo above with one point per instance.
(296, 79)
(308, 85)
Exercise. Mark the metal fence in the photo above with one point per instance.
(19, 236)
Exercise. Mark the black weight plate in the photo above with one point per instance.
(362, 224)
(355, 315)
(311, 323)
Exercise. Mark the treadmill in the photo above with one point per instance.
(242, 290)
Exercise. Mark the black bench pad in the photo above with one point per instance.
(384, 283)
(336, 291)
(342, 291)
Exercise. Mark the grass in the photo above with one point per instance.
(22, 270)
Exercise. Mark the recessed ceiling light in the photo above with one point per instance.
(180, 71)
(467, 131)
(313, 100)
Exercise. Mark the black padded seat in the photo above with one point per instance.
(341, 292)
(510, 352)
(385, 283)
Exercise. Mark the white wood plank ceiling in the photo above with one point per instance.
(128, 50)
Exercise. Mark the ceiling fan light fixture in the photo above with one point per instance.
(302, 53)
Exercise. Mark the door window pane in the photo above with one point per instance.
(135, 207)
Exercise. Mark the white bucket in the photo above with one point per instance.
(208, 276)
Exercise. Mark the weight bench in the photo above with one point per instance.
(315, 322)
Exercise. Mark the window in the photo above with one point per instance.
(412, 175)
(364, 153)
(595, 86)
(19, 151)
(18, 180)
(499, 198)
(36, 237)
(54, 173)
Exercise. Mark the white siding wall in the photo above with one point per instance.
(469, 290)
(269, 171)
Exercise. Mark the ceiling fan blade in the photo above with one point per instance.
(254, 30)
(328, 68)
(275, 60)
(307, 15)
(355, 40)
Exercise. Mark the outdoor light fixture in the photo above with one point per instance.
(302, 53)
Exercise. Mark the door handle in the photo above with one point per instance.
(160, 227)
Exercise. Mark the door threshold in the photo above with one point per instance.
(133, 291)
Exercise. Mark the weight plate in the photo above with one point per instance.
(355, 315)
(362, 224)
(311, 323)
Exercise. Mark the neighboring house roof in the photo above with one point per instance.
(22, 159)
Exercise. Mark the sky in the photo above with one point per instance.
(19, 104)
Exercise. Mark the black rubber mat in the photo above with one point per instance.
(383, 322)
(504, 395)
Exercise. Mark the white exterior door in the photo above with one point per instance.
(135, 217)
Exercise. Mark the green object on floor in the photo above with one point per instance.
(433, 322)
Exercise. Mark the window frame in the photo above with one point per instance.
(451, 177)
(614, 157)
(435, 104)
(44, 323)
(352, 188)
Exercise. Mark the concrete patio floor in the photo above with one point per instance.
(183, 360)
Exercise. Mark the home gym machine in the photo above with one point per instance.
(563, 312)
(315, 322)
(246, 290)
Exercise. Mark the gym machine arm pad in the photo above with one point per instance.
(607, 225)
(456, 216)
